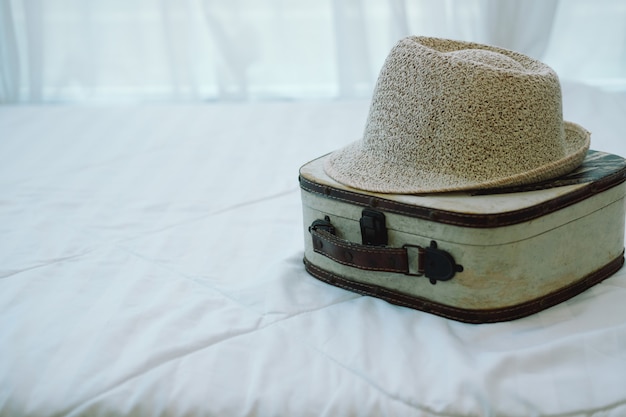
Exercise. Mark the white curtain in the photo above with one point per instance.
(91, 51)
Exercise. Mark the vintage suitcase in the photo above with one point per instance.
(468, 195)
(482, 256)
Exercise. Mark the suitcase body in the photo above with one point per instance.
(474, 257)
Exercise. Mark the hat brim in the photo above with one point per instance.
(355, 167)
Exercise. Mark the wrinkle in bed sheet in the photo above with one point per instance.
(151, 265)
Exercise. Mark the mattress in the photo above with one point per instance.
(151, 265)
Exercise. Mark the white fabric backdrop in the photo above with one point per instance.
(165, 50)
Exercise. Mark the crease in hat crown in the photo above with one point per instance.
(450, 115)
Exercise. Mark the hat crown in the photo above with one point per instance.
(492, 59)
(458, 108)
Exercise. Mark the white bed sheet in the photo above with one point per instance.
(151, 265)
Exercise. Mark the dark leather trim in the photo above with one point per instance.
(468, 315)
(475, 220)
(463, 219)
(371, 258)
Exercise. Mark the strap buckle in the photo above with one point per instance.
(433, 263)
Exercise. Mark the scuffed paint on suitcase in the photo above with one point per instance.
(489, 256)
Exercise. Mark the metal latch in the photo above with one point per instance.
(433, 263)
(325, 225)
(373, 228)
(439, 265)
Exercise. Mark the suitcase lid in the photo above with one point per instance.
(599, 172)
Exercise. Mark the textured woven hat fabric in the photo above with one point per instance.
(449, 115)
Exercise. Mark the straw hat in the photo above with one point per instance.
(449, 115)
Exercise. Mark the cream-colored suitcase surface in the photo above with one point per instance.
(493, 256)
